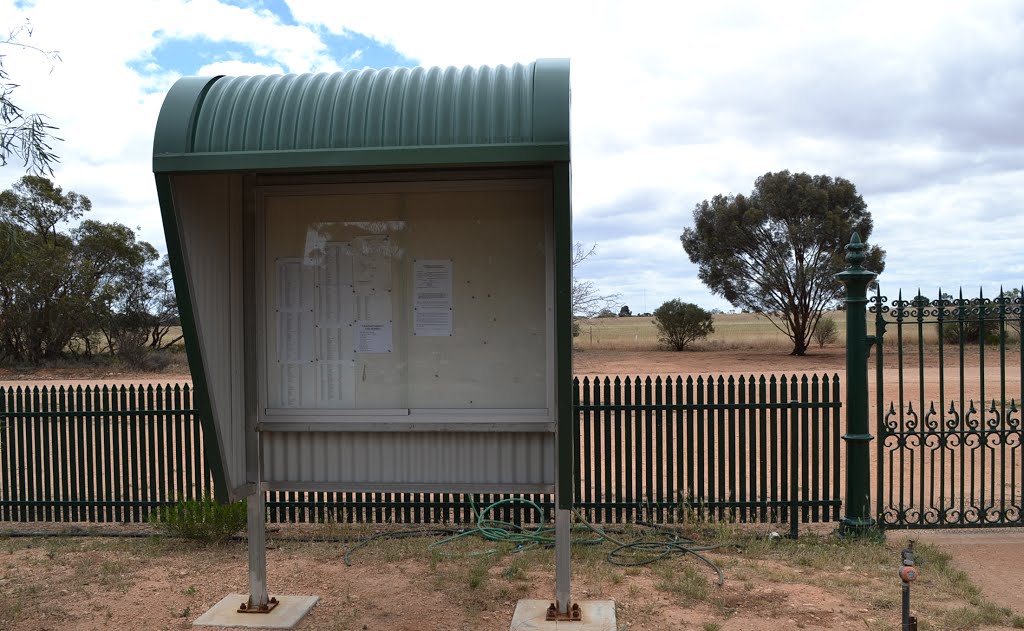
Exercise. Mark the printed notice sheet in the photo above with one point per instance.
(371, 264)
(373, 337)
(295, 339)
(335, 367)
(432, 298)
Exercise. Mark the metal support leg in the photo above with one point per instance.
(563, 608)
(562, 545)
(259, 602)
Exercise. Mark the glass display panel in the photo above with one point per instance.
(391, 302)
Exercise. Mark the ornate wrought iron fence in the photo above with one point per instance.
(949, 439)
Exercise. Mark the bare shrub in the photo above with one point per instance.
(825, 332)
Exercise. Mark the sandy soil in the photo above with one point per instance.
(741, 361)
(992, 558)
(92, 583)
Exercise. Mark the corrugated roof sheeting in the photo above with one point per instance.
(391, 107)
(355, 460)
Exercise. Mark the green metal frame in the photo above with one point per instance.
(362, 158)
(566, 446)
(213, 444)
(176, 125)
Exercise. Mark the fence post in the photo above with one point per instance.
(857, 518)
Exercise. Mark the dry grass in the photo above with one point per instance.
(732, 331)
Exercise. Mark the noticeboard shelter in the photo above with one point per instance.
(373, 273)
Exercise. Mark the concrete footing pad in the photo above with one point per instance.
(286, 615)
(598, 615)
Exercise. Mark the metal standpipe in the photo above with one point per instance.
(908, 574)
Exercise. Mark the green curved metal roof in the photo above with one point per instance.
(391, 116)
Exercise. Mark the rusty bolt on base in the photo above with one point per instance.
(267, 608)
(573, 615)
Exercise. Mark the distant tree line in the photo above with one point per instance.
(72, 286)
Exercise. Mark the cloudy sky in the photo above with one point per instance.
(920, 104)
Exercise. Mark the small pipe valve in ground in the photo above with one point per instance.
(908, 574)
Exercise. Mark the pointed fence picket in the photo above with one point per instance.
(96, 453)
(728, 448)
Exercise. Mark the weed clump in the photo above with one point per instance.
(202, 520)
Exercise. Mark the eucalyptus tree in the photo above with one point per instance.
(68, 283)
(776, 251)
(25, 136)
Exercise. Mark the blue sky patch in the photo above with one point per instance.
(187, 56)
(357, 51)
(277, 7)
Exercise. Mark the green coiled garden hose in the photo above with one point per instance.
(668, 543)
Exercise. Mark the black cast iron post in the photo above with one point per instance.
(857, 518)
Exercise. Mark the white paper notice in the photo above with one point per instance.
(371, 265)
(373, 337)
(295, 340)
(432, 298)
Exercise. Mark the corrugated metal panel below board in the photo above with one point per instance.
(422, 461)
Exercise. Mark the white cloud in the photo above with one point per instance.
(237, 67)
(105, 110)
(920, 104)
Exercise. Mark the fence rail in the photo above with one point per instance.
(745, 449)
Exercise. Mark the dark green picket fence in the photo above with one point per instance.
(736, 449)
(743, 449)
(98, 454)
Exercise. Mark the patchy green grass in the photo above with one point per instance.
(685, 583)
